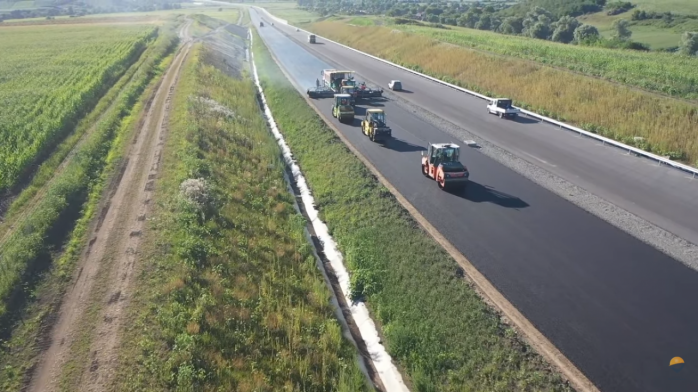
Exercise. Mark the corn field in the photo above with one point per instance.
(52, 76)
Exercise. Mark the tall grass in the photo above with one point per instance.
(668, 125)
(434, 325)
(231, 298)
(49, 78)
(665, 73)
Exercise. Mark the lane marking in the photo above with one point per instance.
(538, 159)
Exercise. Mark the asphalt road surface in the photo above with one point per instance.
(664, 196)
(616, 307)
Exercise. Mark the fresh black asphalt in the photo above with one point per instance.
(616, 307)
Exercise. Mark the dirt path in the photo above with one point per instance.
(115, 240)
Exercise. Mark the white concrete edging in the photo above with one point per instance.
(605, 140)
(388, 373)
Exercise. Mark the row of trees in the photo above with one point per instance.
(526, 18)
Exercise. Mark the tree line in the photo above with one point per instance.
(553, 20)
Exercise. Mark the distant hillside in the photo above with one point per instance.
(10, 9)
(558, 8)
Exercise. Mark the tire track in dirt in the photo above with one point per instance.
(104, 350)
(121, 222)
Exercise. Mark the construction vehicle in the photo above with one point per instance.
(351, 90)
(503, 108)
(311, 38)
(364, 92)
(375, 127)
(442, 164)
(335, 79)
(320, 92)
(342, 109)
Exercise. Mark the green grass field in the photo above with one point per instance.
(434, 326)
(231, 298)
(675, 6)
(51, 76)
(653, 33)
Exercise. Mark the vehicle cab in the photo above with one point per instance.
(395, 85)
(442, 163)
(375, 125)
(342, 109)
(352, 92)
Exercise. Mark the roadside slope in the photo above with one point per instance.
(231, 297)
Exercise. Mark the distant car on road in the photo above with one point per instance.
(503, 108)
(311, 38)
(395, 85)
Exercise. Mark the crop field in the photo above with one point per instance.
(231, 298)
(55, 216)
(668, 125)
(52, 76)
(438, 331)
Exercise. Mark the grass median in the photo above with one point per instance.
(434, 325)
(230, 298)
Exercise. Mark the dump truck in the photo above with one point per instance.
(442, 164)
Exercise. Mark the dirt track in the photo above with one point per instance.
(114, 246)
